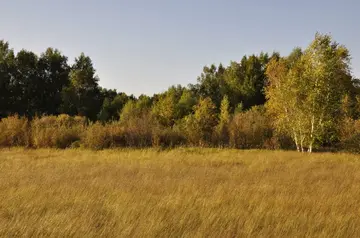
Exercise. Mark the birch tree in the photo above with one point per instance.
(282, 93)
(304, 96)
(327, 74)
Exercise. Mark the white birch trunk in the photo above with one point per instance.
(310, 148)
(301, 145)
(311, 134)
(296, 142)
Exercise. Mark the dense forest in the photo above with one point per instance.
(307, 99)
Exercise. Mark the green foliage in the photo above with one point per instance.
(164, 110)
(186, 103)
(241, 81)
(239, 108)
(27, 84)
(112, 106)
(222, 129)
(82, 96)
(200, 125)
(7, 66)
(308, 94)
(54, 73)
(136, 119)
(133, 110)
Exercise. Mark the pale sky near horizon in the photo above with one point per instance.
(145, 46)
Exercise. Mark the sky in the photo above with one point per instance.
(146, 46)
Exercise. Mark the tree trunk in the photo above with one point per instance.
(311, 134)
(310, 148)
(296, 142)
(302, 138)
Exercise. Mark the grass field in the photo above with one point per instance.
(178, 193)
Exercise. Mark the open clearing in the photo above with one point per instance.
(178, 193)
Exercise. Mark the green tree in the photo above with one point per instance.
(28, 88)
(54, 74)
(201, 124)
(7, 64)
(82, 96)
(117, 105)
(164, 110)
(185, 104)
(112, 105)
(245, 81)
(172, 105)
(239, 108)
(134, 109)
(211, 84)
(222, 129)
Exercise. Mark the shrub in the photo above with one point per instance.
(137, 126)
(69, 121)
(167, 138)
(117, 134)
(66, 137)
(251, 129)
(189, 128)
(96, 137)
(14, 131)
(350, 135)
(56, 132)
(280, 141)
(138, 136)
(43, 131)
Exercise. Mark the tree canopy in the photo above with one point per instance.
(306, 94)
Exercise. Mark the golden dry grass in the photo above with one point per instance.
(178, 193)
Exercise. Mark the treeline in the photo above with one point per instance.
(32, 85)
(304, 100)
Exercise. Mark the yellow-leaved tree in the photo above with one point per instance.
(305, 90)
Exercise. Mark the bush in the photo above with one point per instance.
(56, 132)
(14, 131)
(137, 128)
(189, 128)
(96, 137)
(350, 135)
(117, 134)
(220, 135)
(167, 138)
(251, 129)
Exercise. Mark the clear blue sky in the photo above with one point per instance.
(146, 46)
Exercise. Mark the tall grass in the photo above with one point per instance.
(178, 193)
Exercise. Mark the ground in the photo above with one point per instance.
(178, 193)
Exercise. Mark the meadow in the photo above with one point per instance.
(182, 192)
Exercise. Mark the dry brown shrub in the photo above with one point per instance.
(14, 131)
